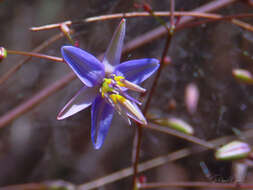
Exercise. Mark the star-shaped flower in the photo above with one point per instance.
(105, 85)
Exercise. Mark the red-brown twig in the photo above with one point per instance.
(133, 44)
(172, 16)
(156, 162)
(41, 47)
(197, 184)
(38, 55)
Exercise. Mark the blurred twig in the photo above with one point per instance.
(158, 161)
(197, 184)
(178, 134)
(133, 44)
(172, 15)
(38, 55)
(41, 47)
(138, 135)
(145, 14)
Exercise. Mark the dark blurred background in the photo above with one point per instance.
(36, 147)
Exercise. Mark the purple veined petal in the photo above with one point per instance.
(82, 99)
(87, 67)
(113, 52)
(101, 117)
(137, 70)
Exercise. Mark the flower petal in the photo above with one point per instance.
(113, 52)
(82, 99)
(137, 70)
(87, 67)
(138, 116)
(101, 117)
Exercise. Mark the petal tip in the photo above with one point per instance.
(65, 49)
(60, 116)
(97, 146)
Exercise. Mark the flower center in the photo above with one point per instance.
(113, 90)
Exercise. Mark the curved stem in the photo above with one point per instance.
(197, 184)
(38, 55)
(15, 68)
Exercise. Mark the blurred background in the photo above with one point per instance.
(36, 147)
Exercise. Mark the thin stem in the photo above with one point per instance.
(133, 44)
(156, 162)
(51, 26)
(38, 55)
(172, 15)
(41, 47)
(197, 184)
(161, 31)
(138, 135)
(35, 100)
(179, 135)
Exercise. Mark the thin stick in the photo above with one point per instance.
(35, 100)
(138, 135)
(125, 15)
(197, 184)
(133, 44)
(50, 26)
(156, 162)
(41, 47)
(172, 15)
(214, 17)
(179, 135)
(38, 55)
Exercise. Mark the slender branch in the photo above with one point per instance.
(197, 184)
(172, 15)
(161, 31)
(156, 162)
(35, 100)
(133, 44)
(38, 55)
(179, 135)
(41, 47)
(125, 15)
(138, 135)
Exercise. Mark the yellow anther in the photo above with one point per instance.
(116, 97)
(119, 80)
(105, 87)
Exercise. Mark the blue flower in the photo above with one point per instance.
(105, 85)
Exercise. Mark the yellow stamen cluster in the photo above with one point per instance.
(106, 87)
(113, 93)
(116, 97)
(119, 80)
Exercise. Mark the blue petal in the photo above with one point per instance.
(82, 99)
(87, 67)
(137, 70)
(101, 117)
(113, 52)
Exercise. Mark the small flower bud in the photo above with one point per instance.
(191, 98)
(243, 75)
(3, 53)
(233, 151)
(176, 124)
